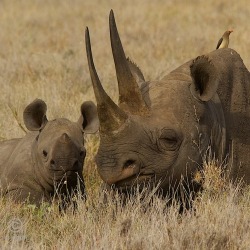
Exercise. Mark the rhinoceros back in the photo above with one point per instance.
(6, 150)
(234, 93)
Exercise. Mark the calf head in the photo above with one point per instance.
(58, 152)
(159, 130)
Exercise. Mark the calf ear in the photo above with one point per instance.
(89, 119)
(205, 78)
(34, 115)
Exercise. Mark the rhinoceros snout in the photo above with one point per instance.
(127, 167)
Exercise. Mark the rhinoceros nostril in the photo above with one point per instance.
(129, 163)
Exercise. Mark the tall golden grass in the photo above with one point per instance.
(42, 55)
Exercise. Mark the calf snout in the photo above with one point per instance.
(67, 155)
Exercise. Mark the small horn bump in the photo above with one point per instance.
(65, 137)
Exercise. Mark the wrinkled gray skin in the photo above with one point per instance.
(48, 161)
(161, 130)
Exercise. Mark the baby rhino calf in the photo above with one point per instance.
(48, 162)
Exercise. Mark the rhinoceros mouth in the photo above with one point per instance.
(134, 180)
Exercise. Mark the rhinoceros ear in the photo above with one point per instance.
(136, 72)
(89, 119)
(34, 115)
(205, 78)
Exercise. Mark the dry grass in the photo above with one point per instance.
(220, 219)
(42, 55)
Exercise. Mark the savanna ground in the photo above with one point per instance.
(42, 55)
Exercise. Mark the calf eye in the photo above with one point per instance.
(45, 153)
(83, 153)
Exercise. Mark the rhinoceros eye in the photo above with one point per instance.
(169, 139)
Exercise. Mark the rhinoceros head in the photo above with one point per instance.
(159, 129)
(58, 152)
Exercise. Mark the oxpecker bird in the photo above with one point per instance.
(224, 40)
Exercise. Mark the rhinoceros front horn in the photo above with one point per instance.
(110, 115)
(129, 92)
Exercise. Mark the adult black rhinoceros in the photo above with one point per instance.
(48, 161)
(161, 129)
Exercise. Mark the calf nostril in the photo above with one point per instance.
(128, 163)
(75, 165)
(52, 163)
